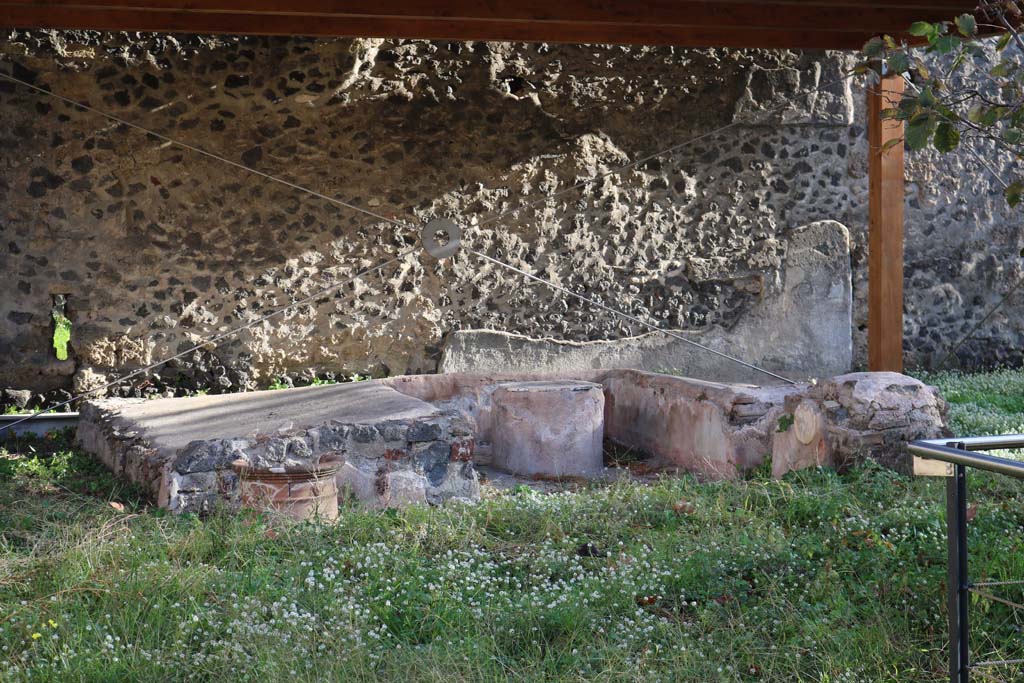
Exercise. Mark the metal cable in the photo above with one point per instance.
(997, 662)
(212, 340)
(996, 598)
(668, 150)
(627, 316)
(997, 583)
(200, 150)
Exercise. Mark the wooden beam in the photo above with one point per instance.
(864, 17)
(840, 24)
(429, 28)
(885, 227)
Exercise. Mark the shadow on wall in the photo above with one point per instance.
(158, 248)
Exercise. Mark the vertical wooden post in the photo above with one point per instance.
(885, 228)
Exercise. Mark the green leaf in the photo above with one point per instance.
(919, 131)
(967, 25)
(1014, 136)
(976, 113)
(946, 44)
(991, 115)
(1003, 41)
(1003, 69)
(898, 63)
(926, 98)
(1015, 192)
(921, 29)
(874, 47)
(947, 137)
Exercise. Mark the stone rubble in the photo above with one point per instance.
(387, 461)
(400, 447)
(864, 415)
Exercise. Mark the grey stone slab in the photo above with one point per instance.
(170, 424)
(182, 450)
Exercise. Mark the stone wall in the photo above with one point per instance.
(157, 247)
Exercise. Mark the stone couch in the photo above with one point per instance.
(417, 438)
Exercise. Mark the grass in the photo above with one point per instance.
(819, 577)
(982, 404)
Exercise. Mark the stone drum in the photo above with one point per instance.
(548, 428)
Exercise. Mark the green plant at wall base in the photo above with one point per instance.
(61, 335)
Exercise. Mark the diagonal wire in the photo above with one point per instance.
(627, 316)
(956, 347)
(996, 598)
(997, 583)
(668, 150)
(203, 152)
(997, 662)
(223, 335)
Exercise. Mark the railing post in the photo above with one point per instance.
(958, 583)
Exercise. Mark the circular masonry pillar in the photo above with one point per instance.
(548, 428)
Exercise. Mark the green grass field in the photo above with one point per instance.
(819, 577)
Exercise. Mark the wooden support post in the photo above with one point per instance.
(885, 228)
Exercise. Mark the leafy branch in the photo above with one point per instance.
(973, 92)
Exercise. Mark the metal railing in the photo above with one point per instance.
(961, 454)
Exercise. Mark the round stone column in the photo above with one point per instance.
(548, 428)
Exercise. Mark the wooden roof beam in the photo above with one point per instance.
(822, 24)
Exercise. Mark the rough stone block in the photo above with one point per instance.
(404, 488)
(719, 430)
(549, 428)
(460, 483)
(802, 441)
(874, 414)
(357, 483)
(182, 450)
